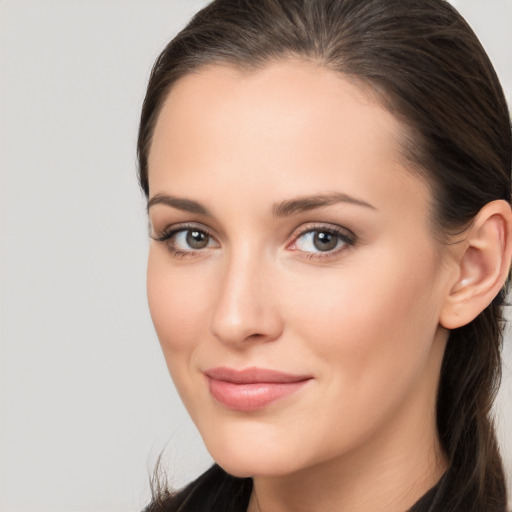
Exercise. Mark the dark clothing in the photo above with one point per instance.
(427, 503)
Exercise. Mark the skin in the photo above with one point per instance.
(363, 320)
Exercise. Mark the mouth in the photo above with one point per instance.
(251, 389)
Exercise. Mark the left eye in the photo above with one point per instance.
(320, 241)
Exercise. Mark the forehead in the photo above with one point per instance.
(289, 121)
(284, 97)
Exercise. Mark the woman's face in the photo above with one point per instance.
(293, 277)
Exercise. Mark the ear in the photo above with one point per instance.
(483, 264)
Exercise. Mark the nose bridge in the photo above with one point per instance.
(244, 308)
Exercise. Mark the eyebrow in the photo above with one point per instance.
(282, 209)
(187, 205)
(304, 204)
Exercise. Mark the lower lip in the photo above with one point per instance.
(253, 396)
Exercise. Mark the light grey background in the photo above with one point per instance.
(86, 403)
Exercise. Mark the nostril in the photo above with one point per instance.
(253, 325)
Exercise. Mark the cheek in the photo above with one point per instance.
(177, 303)
(369, 334)
(371, 323)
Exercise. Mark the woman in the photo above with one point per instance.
(328, 187)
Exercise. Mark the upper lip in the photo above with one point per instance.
(253, 375)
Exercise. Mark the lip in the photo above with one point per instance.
(251, 389)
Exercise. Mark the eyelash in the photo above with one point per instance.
(342, 234)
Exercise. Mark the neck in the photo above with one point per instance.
(385, 483)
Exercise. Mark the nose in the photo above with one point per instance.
(246, 307)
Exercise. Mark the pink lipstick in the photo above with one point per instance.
(253, 388)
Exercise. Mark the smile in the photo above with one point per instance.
(251, 389)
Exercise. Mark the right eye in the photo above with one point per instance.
(192, 238)
(183, 241)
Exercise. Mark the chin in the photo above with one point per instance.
(242, 458)
(257, 466)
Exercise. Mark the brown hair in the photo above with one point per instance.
(429, 69)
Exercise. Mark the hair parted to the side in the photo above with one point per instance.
(428, 68)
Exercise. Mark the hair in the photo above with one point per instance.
(428, 68)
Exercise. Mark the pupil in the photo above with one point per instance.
(197, 239)
(325, 241)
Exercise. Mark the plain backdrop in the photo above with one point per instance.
(86, 404)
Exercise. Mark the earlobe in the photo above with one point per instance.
(483, 264)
